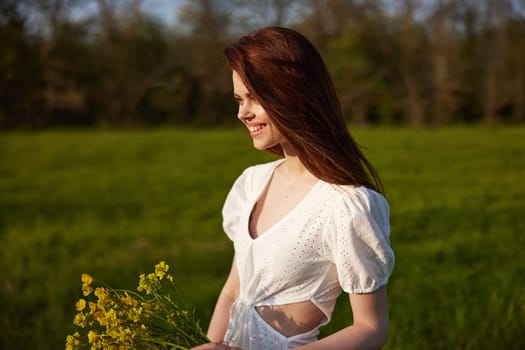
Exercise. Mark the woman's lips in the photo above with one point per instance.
(255, 130)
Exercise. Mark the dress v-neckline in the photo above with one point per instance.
(284, 217)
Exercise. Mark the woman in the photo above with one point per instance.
(307, 226)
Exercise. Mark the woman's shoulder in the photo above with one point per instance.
(358, 200)
(357, 195)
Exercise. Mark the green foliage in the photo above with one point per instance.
(20, 75)
(432, 62)
(112, 204)
(359, 76)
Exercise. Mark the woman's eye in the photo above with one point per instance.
(241, 101)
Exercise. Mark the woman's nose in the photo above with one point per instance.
(244, 112)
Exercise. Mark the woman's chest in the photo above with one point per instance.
(276, 203)
(290, 251)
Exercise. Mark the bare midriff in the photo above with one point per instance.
(292, 319)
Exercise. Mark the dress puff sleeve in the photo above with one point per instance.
(234, 205)
(358, 240)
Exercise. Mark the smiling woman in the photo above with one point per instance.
(304, 227)
(263, 132)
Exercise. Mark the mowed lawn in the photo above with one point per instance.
(113, 203)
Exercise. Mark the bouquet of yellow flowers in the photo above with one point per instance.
(149, 318)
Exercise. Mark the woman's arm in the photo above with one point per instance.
(220, 318)
(370, 327)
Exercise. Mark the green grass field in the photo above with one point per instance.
(113, 203)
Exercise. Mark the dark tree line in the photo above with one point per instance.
(401, 61)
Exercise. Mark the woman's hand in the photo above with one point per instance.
(215, 346)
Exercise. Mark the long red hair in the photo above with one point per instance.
(287, 75)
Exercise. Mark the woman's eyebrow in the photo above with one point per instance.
(248, 95)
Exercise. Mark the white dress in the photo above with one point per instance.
(336, 238)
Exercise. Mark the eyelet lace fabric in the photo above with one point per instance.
(337, 238)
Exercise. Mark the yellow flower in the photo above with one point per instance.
(80, 320)
(86, 284)
(142, 283)
(160, 270)
(121, 319)
(73, 341)
(92, 307)
(100, 317)
(134, 314)
(125, 335)
(111, 316)
(128, 300)
(81, 305)
(86, 279)
(86, 290)
(92, 336)
(100, 292)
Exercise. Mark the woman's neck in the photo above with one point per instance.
(292, 167)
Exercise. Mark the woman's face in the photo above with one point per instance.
(262, 130)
